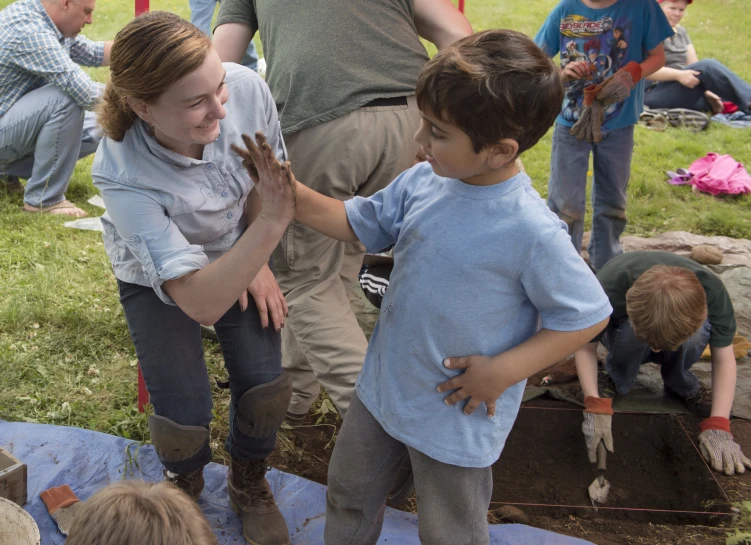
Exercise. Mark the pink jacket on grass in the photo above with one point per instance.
(717, 174)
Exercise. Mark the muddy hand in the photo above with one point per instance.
(275, 183)
(480, 382)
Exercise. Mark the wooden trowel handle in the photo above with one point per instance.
(602, 455)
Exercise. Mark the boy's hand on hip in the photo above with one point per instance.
(480, 382)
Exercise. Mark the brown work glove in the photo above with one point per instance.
(718, 448)
(598, 97)
(589, 125)
(598, 416)
(619, 86)
(62, 505)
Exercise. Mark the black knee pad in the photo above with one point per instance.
(261, 409)
(175, 442)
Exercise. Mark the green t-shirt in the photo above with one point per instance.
(621, 272)
(327, 58)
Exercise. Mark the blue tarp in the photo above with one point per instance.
(88, 461)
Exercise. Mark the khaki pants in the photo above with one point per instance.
(357, 154)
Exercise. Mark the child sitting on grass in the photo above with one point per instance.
(480, 263)
(140, 513)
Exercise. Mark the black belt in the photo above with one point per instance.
(391, 101)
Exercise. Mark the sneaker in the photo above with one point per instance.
(699, 403)
(653, 120)
(676, 117)
(12, 185)
(606, 386)
(295, 420)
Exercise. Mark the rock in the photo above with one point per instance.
(511, 515)
(736, 251)
(706, 254)
(558, 373)
(737, 280)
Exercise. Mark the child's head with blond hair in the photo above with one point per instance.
(140, 513)
(666, 305)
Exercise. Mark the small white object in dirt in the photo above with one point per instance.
(97, 200)
(86, 224)
(18, 528)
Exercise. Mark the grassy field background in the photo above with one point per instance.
(65, 353)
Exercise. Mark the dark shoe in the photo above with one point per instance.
(12, 185)
(251, 498)
(606, 386)
(295, 420)
(699, 403)
(190, 483)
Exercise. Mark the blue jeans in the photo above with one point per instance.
(41, 137)
(169, 348)
(714, 77)
(567, 188)
(627, 353)
(201, 13)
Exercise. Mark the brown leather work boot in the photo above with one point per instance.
(251, 498)
(190, 483)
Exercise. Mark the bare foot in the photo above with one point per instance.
(64, 208)
(714, 101)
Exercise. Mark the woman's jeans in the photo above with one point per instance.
(627, 353)
(169, 348)
(714, 77)
(567, 188)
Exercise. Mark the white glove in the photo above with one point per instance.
(722, 453)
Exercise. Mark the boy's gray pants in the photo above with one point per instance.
(452, 501)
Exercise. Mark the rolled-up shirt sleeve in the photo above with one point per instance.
(151, 236)
(86, 52)
(43, 56)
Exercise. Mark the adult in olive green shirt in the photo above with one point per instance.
(628, 349)
(343, 76)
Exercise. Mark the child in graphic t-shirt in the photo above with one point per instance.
(606, 47)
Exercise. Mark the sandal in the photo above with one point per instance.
(654, 120)
(63, 208)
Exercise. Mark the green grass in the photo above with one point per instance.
(65, 353)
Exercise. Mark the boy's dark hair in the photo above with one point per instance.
(493, 85)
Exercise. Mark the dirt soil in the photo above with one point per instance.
(655, 466)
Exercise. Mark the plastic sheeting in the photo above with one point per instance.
(88, 461)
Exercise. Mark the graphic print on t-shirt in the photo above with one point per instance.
(603, 44)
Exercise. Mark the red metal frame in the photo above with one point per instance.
(143, 393)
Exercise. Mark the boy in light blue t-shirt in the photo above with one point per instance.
(597, 39)
(481, 264)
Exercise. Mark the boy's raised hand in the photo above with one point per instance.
(275, 183)
(481, 382)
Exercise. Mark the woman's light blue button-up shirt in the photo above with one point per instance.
(167, 214)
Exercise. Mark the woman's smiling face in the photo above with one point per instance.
(186, 116)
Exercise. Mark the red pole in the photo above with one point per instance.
(461, 6)
(142, 6)
(143, 393)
